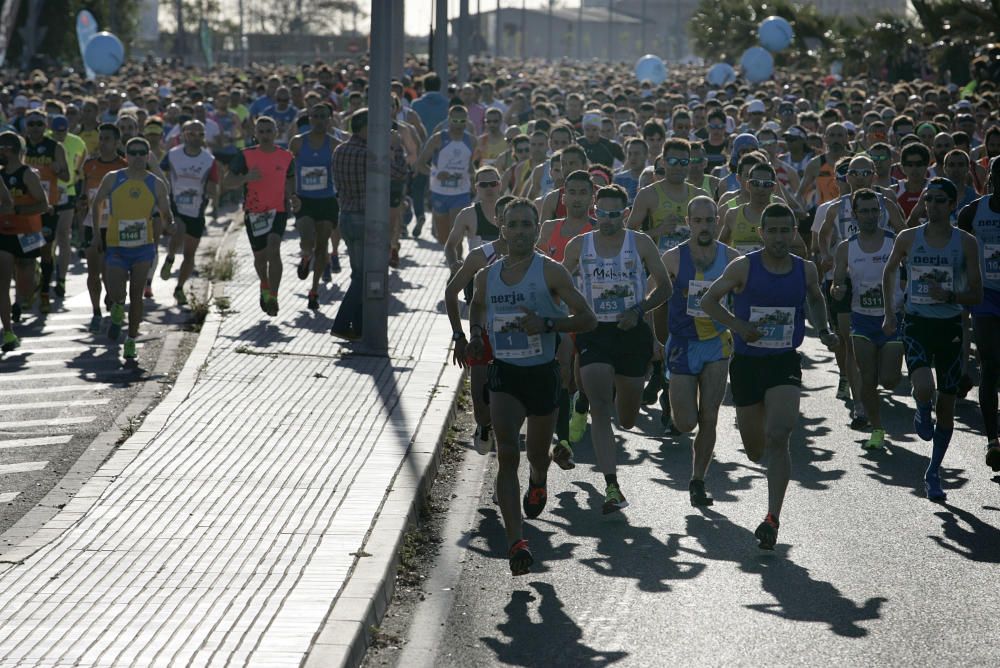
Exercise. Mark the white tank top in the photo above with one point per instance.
(613, 284)
(865, 271)
(453, 159)
(188, 175)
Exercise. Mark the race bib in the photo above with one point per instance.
(991, 258)
(921, 279)
(132, 233)
(450, 180)
(775, 323)
(870, 300)
(510, 341)
(261, 223)
(31, 241)
(63, 195)
(611, 299)
(696, 290)
(313, 178)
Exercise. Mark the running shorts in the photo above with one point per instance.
(688, 357)
(629, 352)
(935, 343)
(869, 327)
(751, 376)
(536, 387)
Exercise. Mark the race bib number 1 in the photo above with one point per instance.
(775, 323)
(261, 223)
(31, 241)
(510, 341)
(921, 279)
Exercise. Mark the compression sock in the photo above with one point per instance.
(942, 439)
(47, 269)
(582, 402)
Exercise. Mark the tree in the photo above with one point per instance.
(309, 17)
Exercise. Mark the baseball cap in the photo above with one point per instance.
(59, 123)
(943, 184)
(963, 104)
(756, 107)
(592, 118)
(796, 132)
(743, 142)
(20, 102)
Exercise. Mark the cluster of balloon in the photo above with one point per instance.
(757, 63)
(775, 34)
(651, 68)
(104, 53)
(721, 74)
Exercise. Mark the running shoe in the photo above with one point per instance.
(767, 532)
(696, 490)
(168, 263)
(272, 306)
(60, 287)
(334, 265)
(923, 424)
(858, 418)
(117, 318)
(993, 455)
(129, 351)
(303, 269)
(876, 441)
(844, 389)
(327, 275)
(95, 323)
(652, 390)
(44, 306)
(481, 440)
(179, 295)
(10, 341)
(147, 292)
(394, 258)
(15, 311)
(265, 296)
(932, 485)
(614, 500)
(562, 456)
(577, 426)
(312, 301)
(519, 557)
(534, 500)
(418, 228)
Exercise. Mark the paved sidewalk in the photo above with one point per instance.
(226, 528)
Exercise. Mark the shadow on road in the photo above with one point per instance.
(978, 542)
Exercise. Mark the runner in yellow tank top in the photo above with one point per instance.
(739, 225)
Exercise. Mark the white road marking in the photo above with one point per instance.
(53, 404)
(7, 497)
(38, 440)
(55, 422)
(23, 467)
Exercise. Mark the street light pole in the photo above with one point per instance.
(375, 338)
(524, 29)
(579, 31)
(497, 33)
(398, 39)
(441, 43)
(463, 41)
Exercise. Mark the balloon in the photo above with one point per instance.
(775, 33)
(757, 64)
(104, 53)
(651, 68)
(721, 74)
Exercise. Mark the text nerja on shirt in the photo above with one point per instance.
(926, 265)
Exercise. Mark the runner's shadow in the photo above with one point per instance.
(14, 361)
(900, 467)
(798, 596)
(806, 472)
(555, 640)
(262, 334)
(978, 542)
(490, 530)
(627, 551)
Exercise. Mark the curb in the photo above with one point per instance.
(343, 638)
(77, 491)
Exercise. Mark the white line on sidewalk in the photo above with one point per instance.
(54, 404)
(23, 467)
(39, 440)
(7, 497)
(55, 422)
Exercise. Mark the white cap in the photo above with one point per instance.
(756, 107)
(20, 102)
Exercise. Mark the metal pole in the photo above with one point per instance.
(611, 33)
(548, 54)
(497, 33)
(398, 39)
(643, 10)
(243, 37)
(441, 43)
(579, 31)
(524, 29)
(463, 41)
(376, 310)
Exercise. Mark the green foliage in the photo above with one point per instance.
(59, 20)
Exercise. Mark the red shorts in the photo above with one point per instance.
(487, 356)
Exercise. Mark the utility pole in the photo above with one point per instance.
(398, 39)
(579, 31)
(375, 338)
(611, 34)
(441, 42)
(497, 33)
(463, 41)
(180, 48)
(243, 37)
(548, 50)
(643, 10)
(524, 30)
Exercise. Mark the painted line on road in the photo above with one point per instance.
(70, 316)
(56, 422)
(7, 497)
(69, 349)
(23, 467)
(32, 363)
(55, 389)
(54, 404)
(38, 440)
(22, 377)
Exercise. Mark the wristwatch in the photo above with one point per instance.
(458, 336)
(823, 333)
(550, 325)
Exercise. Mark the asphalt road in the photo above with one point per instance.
(866, 570)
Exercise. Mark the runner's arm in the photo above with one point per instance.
(459, 230)
(890, 274)
(163, 206)
(581, 318)
(474, 261)
(840, 271)
(826, 239)
(816, 306)
(733, 279)
(59, 165)
(663, 287)
(973, 293)
(571, 256)
(423, 160)
(896, 221)
(725, 229)
(640, 209)
(477, 315)
(808, 179)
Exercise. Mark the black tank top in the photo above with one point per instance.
(485, 230)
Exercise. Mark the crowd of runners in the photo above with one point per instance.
(615, 243)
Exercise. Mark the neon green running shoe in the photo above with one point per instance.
(129, 352)
(117, 319)
(876, 441)
(10, 341)
(577, 426)
(614, 500)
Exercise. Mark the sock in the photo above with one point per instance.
(924, 407)
(656, 379)
(562, 420)
(582, 403)
(611, 478)
(47, 268)
(942, 439)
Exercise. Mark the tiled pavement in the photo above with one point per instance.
(242, 515)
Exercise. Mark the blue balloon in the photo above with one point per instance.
(721, 74)
(104, 53)
(757, 64)
(651, 68)
(775, 33)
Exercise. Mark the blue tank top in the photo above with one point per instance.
(944, 265)
(685, 315)
(503, 311)
(986, 228)
(312, 170)
(775, 304)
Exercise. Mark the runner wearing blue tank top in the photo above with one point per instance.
(698, 350)
(315, 199)
(773, 291)
(982, 219)
(520, 302)
(612, 263)
(942, 264)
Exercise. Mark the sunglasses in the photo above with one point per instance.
(716, 126)
(938, 200)
(879, 158)
(761, 183)
(138, 154)
(914, 164)
(674, 162)
(320, 116)
(522, 150)
(457, 121)
(487, 184)
(696, 161)
(786, 112)
(860, 172)
(767, 142)
(35, 124)
(610, 215)
(284, 99)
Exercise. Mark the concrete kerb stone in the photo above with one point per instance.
(47, 520)
(346, 632)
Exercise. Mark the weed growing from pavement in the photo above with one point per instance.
(380, 639)
(199, 311)
(131, 425)
(222, 305)
(220, 268)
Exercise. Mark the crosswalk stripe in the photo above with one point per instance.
(33, 363)
(63, 350)
(28, 377)
(7, 497)
(70, 316)
(38, 440)
(54, 404)
(55, 389)
(23, 467)
(55, 422)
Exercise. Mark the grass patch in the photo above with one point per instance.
(221, 267)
